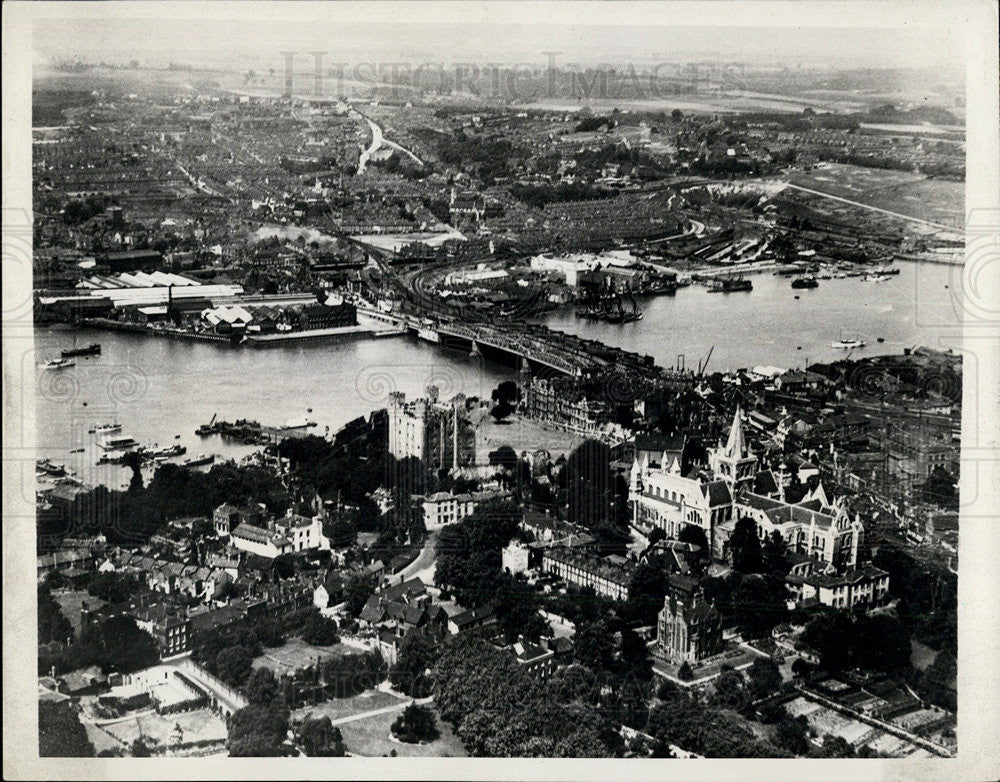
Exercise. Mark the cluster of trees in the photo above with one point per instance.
(755, 602)
(79, 211)
(926, 595)
(709, 730)
(540, 195)
(468, 553)
(492, 157)
(595, 496)
(133, 516)
(499, 710)
(115, 644)
(60, 732)
(877, 642)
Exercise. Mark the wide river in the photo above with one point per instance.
(160, 388)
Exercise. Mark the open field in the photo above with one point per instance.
(371, 738)
(908, 194)
(296, 654)
(521, 435)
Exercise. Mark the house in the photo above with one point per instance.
(604, 575)
(332, 586)
(473, 619)
(83, 681)
(866, 586)
(534, 658)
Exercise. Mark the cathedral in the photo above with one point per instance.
(732, 487)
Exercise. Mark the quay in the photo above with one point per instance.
(339, 334)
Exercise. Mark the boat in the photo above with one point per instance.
(93, 349)
(113, 458)
(165, 453)
(59, 363)
(47, 467)
(731, 285)
(208, 429)
(107, 428)
(118, 443)
(880, 340)
(198, 461)
(875, 278)
(848, 344)
(428, 334)
(299, 423)
(805, 282)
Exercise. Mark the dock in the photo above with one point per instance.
(340, 334)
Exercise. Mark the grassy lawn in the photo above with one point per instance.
(337, 708)
(521, 435)
(296, 654)
(370, 738)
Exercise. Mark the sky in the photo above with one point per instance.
(638, 35)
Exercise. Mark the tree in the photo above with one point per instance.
(258, 731)
(758, 604)
(320, 739)
(60, 732)
(357, 590)
(505, 457)
(52, 623)
(415, 724)
(792, 733)
(684, 673)
(774, 554)
(647, 591)
(416, 655)
(744, 546)
(635, 663)
(139, 749)
(594, 645)
(233, 665)
(764, 678)
(829, 636)
(119, 644)
(801, 668)
(507, 392)
(262, 687)
(501, 411)
(517, 614)
(320, 631)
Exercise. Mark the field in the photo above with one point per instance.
(521, 435)
(297, 654)
(370, 737)
(897, 191)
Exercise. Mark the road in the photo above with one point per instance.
(378, 140)
(423, 566)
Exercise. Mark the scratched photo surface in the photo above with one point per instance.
(458, 389)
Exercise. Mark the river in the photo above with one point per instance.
(160, 388)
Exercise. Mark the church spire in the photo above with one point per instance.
(736, 447)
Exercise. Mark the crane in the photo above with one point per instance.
(701, 366)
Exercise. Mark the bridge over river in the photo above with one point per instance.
(536, 347)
